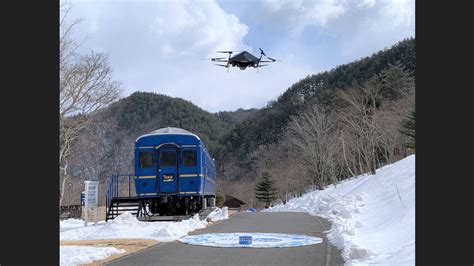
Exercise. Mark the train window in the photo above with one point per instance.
(189, 158)
(145, 159)
(167, 158)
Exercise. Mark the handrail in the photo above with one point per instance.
(113, 189)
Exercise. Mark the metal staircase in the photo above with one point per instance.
(120, 197)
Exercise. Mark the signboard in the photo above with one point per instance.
(91, 199)
(91, 194)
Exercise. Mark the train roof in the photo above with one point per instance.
(168, 131)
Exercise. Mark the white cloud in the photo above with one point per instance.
(295, 15)
(363, 26)
(161, 46)
(367, 30)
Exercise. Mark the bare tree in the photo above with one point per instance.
(313, 133)
(360, 120)
(85, 85)
(370, 127)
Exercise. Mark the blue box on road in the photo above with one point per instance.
(245, 240)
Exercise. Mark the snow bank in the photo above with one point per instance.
(218, 215)
(69, 223)
(74, 255)
(126, 225)
(372, 216)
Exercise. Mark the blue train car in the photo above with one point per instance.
(174, 172)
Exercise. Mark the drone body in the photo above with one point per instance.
(242, 60)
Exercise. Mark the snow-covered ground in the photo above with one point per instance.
(74, 255)
(372, 216)
(127, 226)
(72, 223)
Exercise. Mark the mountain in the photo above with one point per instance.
(318, 89)
(143, 112)
(106, 147)
(233, 138)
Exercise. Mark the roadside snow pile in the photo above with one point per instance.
(372, 216)
(127, 226)
(75, 255)
(218, 215)
(71, 222)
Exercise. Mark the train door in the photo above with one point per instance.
(190, 177)
(145, 171)
(168, 169)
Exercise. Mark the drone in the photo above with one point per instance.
(242, 60)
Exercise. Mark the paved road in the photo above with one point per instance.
(177, 253)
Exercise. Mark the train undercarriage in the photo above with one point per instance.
(174, 205)
(165, 208)
(120, 198)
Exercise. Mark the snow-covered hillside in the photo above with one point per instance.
(372, 216)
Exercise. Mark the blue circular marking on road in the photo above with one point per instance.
(259, 240)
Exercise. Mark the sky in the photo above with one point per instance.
(164, 46)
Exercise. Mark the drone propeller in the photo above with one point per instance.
(212, 58)
(225, 52)
(221, 65)
(271, 59)
(219, 59)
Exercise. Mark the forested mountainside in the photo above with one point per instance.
(143, 112)
(326, 127)
(273, 139)
(318, 89)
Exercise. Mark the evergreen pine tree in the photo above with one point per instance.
(408, 129)
(393, 82)
(265, 190)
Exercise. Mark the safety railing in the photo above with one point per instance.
(116, 190)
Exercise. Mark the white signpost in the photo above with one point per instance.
(91, 199)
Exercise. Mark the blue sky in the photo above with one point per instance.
(161, 45)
